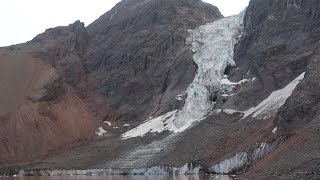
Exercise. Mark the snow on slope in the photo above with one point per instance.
(270, 106)
(155, 125)
(213, 47)
(100, 131)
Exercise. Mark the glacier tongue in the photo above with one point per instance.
(213, 48)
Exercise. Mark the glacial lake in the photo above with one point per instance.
(193, 177)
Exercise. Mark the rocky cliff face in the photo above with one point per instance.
(169, 83)
(294, 25)
(138, 48)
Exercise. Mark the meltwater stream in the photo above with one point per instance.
(191, 177)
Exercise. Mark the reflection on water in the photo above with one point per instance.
(193, 177)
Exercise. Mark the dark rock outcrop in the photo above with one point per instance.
(138, 48)
(281, 41)
(276, 47)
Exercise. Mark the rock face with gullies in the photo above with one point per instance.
(276, 47)
(281, 41)
(303, 105)
(138, 48)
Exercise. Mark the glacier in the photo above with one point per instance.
(239, 162)
(213, 48)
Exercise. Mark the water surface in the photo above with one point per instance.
(194, 177)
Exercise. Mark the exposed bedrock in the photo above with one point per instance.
(139, 57)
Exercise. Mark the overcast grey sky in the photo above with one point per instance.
(21, 20)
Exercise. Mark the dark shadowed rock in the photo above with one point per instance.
(281, 41)
(276, 48)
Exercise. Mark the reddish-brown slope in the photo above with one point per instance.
(41, 112)
(38, 129)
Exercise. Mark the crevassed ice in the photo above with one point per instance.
(240, 161)
(213, 47)
(229, 165)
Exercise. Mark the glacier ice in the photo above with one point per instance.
(232, 164)
(242, 160)
(213, 48)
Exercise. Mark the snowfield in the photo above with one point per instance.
(270, 106)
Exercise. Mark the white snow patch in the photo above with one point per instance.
(158, 125)
(213, 47)
(180, 96)
(243, 81)
(126, 125)
(107, 122)
(230, 111)
(227, 95)
(254, 79)
(275, 130)
(228, 82)
(217, 111)
(100, 131)
(270, 106)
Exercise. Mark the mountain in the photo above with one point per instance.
(167, 86)
(128, 65)
(138, 48)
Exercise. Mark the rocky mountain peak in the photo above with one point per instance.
(139, 47)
